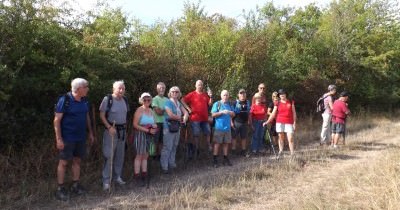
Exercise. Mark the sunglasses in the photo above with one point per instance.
(146, 100)
(261, 88)
(174, 91)
(242, 92)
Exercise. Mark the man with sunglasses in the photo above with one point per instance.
(240, 121)
(261, 91)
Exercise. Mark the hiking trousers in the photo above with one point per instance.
(326, 128)
(118, 150)
(168, 152)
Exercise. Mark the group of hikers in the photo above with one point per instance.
(158, 120)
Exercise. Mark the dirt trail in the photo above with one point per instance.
(316, 180)
(310, 181)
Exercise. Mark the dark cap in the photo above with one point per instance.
(344, 94)
(281, 91)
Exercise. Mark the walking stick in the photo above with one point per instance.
(266, 131)
(112, 158)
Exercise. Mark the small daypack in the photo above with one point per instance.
(65, 104)
(110, 103)
(321, 104)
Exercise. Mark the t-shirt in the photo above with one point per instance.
(73, 122)
(339, 112)
(285, 112)
(198, 102)
(271, 106)
(258, 111)
(175, 109)
(117, 111)
(326, 103)
(222, 122)
(159, 102)
(242, 109)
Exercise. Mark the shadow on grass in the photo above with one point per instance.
(371, 146)
(343, 157)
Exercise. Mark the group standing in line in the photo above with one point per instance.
(158, 120)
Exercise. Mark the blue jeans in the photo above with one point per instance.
(257, 139)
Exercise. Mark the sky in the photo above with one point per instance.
(149, 11)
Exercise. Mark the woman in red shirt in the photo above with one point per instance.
(285, 114)
(258, 114)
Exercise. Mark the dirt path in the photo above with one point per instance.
(312, 180)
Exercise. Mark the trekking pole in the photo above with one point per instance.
(112, 158)
(149, 160)
(270, 139)
(185, 149)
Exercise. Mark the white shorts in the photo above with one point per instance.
(283, 127)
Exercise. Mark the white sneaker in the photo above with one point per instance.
(120, 181)
(106, 187)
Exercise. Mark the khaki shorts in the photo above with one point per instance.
(222, 137)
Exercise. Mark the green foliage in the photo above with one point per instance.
(353, 44)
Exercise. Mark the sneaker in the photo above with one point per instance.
(120, 181)
(280, 155)
(226, 162)
(215, 163)
(106, 187)
(62, 194)
(163, 171)
(77, 189)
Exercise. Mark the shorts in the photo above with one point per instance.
(73, 149)
(240, 129)
(338, 128)
(200, 126)
(222, 137)
(284, 128)
(158, 137)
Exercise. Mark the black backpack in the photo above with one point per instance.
(65, 104)
(321, 104)
(110, 103)
(67, 101)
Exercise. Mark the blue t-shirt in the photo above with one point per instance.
(73, 122)
(174, 109)
(223, 122)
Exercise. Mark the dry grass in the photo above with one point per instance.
(361, 175)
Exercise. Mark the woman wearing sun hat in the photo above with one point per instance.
(145, 126)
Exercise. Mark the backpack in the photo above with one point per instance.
(65, 104)
(110, 103)
(67, 101)
(321, 104)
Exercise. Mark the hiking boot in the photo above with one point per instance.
(120, 181)
(142, 182)
(77, 189)
(62, 194)
(164, 171)
(226, 162)
(243, 153)
(215, 163)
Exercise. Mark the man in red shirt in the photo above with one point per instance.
(199, 101)
(340, 111)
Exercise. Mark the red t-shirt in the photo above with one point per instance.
(285, 112)
(339, 112)
(258, 112)
(198, 102)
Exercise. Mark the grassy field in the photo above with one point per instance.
(363, 174)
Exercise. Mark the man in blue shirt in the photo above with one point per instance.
(70, 122)
(223, 113)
